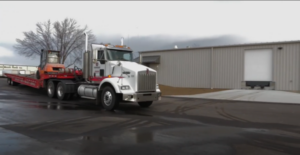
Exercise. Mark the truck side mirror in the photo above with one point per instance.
(102, 61)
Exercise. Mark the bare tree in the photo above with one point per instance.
(65, 36)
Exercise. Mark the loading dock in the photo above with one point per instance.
(258, 67)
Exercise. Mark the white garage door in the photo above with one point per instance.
(258, 65)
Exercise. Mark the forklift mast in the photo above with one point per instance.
(49, 57)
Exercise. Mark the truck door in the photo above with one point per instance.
(99, 67)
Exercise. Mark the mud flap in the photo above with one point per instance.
(69, 85)
(98, 98)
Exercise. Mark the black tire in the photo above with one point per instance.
(8, 81)
(51, 89)
(60, 92)
(109, 99)
(37, 75)
(145, 104)
(13, 83)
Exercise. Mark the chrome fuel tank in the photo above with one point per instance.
(88, 91)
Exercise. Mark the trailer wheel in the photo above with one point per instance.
(13, 83)
(60, 92)
(8, 81)
(109, 99)
(51, 89)
(145, 104)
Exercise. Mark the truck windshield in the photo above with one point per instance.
(119, 55)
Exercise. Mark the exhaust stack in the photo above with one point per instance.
(86, 41)
(86, 59)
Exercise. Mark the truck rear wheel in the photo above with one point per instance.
(60, 92)
(145, 104)
(109, 99)
(51, 89)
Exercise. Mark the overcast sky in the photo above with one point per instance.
(155, 25)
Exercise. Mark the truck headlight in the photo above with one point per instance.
(125, 87)
(157, 86)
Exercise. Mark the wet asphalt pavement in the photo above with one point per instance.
(31, 123)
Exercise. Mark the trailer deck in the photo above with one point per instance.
(25, 79)
(32, 81)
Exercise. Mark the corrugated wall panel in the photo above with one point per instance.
(229, 66)
(286, 67)
(228, 72)
(184, 68)
(191, 68)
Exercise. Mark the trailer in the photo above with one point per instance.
(108, 76)
(46, 81)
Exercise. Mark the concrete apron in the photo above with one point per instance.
(250, 95)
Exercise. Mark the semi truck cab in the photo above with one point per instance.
(113, 77)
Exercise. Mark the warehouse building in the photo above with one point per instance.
(272, 65)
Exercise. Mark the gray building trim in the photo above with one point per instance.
(155, 59)
(222, 46)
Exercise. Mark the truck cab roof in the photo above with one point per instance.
(109, 46)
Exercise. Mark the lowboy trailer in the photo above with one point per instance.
(108, 76)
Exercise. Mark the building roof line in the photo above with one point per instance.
(229, 45)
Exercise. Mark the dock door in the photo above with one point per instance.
(258, 67)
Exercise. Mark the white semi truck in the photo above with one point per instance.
(108, 76)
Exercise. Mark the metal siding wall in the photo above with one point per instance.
(286, 67)
(228, 67)
(184, 68)
(191, 68)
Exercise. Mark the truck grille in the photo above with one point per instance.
(146, 82)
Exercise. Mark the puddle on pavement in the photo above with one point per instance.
(177, 135)
(12, 143)
(134, 113)
(60, 106)
(124, 138)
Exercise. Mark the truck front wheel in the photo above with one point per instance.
(51, 89)
(145, 104)
(109, 98)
